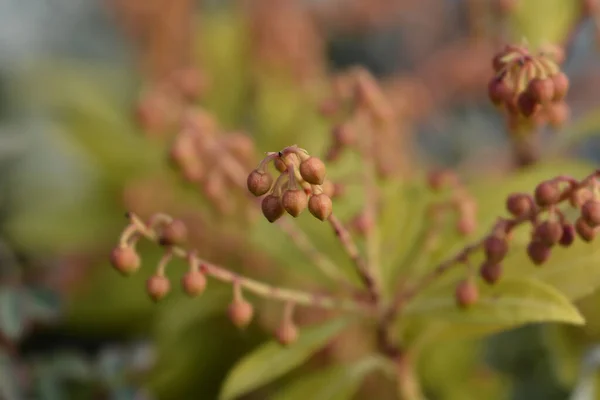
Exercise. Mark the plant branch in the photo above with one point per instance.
(258, 288)
(350, 247)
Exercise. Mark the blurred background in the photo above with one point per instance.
(84, 137)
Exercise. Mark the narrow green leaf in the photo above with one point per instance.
(511, 302)
(270, 361)
(337, 382)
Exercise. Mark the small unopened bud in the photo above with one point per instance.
(498, 91)
(466, 224)
(490, 272)
(590, 212)
(467, 293)
(568, 235)
(294, 201)
(546, 194)
(158, 287)
(439, 179)
(313, 171)
(344, 135)
(362, 224)
(527, 105)
(541, 90)
(495, 248)
(173, 233)
(538, 252)
(585, 232)
(259, 182)
(240, 313)
(561, 86)
(549, 232)
(558, 113)
(272, 208)
(519, 204)
(125, 260)
(287, 333)
(193, 283)
(320, 206)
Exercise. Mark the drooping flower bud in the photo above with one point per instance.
(240, 313)
(546, 194)
(193, 283)
(259, 182)
(549, 232)
(294, 201)
(320, 206)
(272, 208)
(313, 171)
(125, 260)
(467, 293)
(287, 333)
(590, 212)
(158, 287)
(173, 233)
(490, 272)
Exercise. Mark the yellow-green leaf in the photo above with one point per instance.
(338, 382)
(511, 302)
(271, 361)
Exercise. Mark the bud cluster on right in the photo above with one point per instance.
(300, 185)
(550, 227)
(530, 87)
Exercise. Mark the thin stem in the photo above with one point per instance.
(350, 247)
(408, 383)
(258, 288)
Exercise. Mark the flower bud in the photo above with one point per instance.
(272, 208)
(490, 272)
(344, 135)
(538, 252)
(240, 313)
(590, 212)
(561, 86)
(498, 91)
(466, 224)
(546, 194)
(125, 260)
(527, 105)
(158, 287)
(541, 90)
(320, 206)
(313, 171)
(519, 204)
(558, 113)
(294, 201)
(193, 283)
(585, 232)
(286, 334)
(568, 235)
(174, 233)
(495, 248)
(549, 232)
(467, 293)
(259, 182)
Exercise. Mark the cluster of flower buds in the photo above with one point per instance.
(460, 202)
(365, 122)
(172, 234)
(550, 227)
(300, 185)
(530, 87)
(159, 108)
(211, 159)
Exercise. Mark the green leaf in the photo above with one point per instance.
(509, 303)
(12, 319)
(271, 361)
(338, 382)
(543, 21)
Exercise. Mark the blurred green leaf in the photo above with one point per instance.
(338, 382)
(509, 303)
(271, 361)
(543, 21)
(12, 318)
(9, 382)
